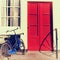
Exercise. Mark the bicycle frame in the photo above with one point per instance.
(14, 40)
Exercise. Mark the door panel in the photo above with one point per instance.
(45, 36)
(32, 27)
(32, 8)
(46, 8)
(46, 20)
(32, 19)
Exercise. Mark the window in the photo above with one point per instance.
(10, 13)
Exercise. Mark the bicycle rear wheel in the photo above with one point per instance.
(4, 49)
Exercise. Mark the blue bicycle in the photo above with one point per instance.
(13, 44)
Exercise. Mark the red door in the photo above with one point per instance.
(39, 26)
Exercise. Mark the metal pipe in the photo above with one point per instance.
(56, 43)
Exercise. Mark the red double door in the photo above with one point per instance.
(40, 26)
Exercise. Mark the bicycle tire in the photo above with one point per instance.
(22, 47)
(4, 49)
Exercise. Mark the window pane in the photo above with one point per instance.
(3, 11)
(3, 21)
(19, 21)
(8, 11)
(15, 21)
(8, 2)
(3, 3)
(11, 2)
(16, 12)
(16, 2)
(10, 21)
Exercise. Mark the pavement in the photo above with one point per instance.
(32, 55)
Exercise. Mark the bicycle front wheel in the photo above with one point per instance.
(22, 47)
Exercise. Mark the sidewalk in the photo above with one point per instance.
(32, 55)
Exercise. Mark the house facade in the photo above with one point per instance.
(9, 20)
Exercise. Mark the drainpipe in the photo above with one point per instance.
(56, 43)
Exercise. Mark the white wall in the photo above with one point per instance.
(56, 18)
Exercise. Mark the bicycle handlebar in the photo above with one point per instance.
(14, 31)
(11, 30)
